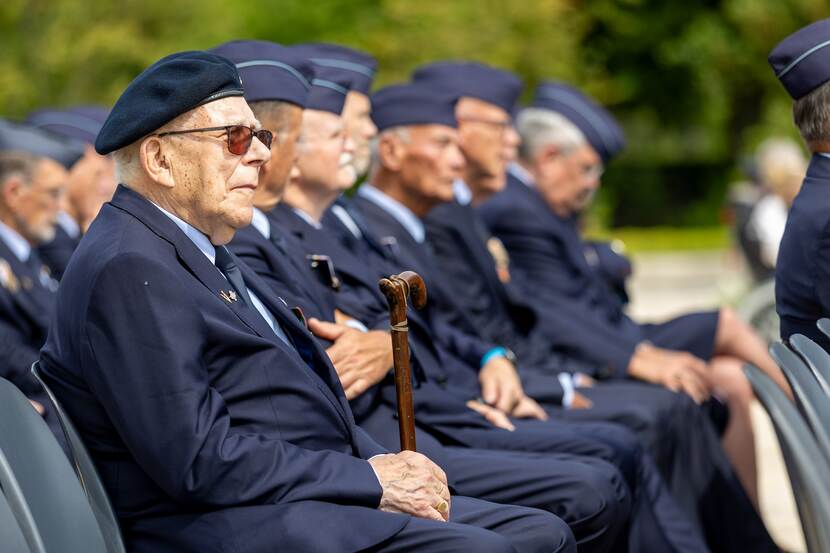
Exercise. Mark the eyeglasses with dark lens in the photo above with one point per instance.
(240, 137)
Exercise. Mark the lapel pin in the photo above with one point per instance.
(229, 297)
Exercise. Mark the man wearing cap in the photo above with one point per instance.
(216, 421)
(32, 179)
(91, 180)
(802, 288)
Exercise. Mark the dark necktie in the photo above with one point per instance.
(226, 263)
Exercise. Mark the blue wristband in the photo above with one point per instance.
(495, 352)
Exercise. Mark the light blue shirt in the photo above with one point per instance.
(520, 173)
(19, 246)
(203, 243)
(307, 218)
(340, 212)
(824, 154)
(68, 224)
(462, 192)
(396, 209)
(261, 223)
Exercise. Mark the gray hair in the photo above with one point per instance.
(402, 133)
(543, 127)
(18, 163)
(812, 116)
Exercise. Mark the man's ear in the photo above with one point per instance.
(10, 191)
(390, 152)
(156, 162)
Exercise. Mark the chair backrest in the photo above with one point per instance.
(13, 496)
(813, 404)
(823, 325)
(808, 471)
(11, 535)
(50, 489)
(818, 360)
(86, 472)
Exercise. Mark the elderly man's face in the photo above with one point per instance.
(274, 177)
(487, 140)
(326, 153)
(568, 180)
(432, 160)
(213, 189)
(358, 121)
(91, 183)
(34, 205)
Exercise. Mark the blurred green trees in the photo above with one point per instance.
(689, 80)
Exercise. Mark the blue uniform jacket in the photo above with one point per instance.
(802, 274)
(191, 405)
(56, 254)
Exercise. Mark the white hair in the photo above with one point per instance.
(539, 128)
(402, 133)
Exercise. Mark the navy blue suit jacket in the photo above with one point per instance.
(192, 404)
(26, 307)
(56, 254)
(802, 274)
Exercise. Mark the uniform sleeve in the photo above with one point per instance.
(142, 357)
(822, 277)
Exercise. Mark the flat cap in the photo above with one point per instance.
(412, 104)
(80, 122)
(170, 87)
(23, 137)
(357, 66)
(802, 60)
(474, 80)
(597, 124)
(269, 71)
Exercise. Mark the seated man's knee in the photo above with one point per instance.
(603, 502)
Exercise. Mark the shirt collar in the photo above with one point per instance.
(19, 246)
(307, 218)
(520, 173)
(393, 207)
(462, 192)
(260, 222)
(824, 154)
(196, 236)
(68, 224)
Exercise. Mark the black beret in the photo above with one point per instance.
(412, 104)
(269, 71)
(170, 87)
(802, 60)
(474, 80)
(359, 67)
(22, 137)
(80, 122)
(600, 128)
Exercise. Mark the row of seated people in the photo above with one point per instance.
(219, 338)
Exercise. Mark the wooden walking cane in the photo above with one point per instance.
(397, 288)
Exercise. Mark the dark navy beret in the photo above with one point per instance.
(269, 71)
(598, 125)
(802, 60)
(22, 137)
(412, 104)
(80, 122)
(473, 79)
(170, 87)
(359, 67)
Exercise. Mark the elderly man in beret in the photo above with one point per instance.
(802, 275)
(216, 421)
(90, 183)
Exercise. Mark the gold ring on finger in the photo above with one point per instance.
(442, 507)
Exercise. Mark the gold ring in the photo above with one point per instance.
(442, 507)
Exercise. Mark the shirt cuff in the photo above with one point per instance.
(492, 354)
(357, 325)
(567, 382)
(373, 467)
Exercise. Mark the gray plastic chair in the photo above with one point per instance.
(823, 325)
(812, 403)
(51, 492)
(817, 360)
(11, 536)
(809, 473)
(86, 472)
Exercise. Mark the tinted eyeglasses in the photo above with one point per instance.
(240, 137)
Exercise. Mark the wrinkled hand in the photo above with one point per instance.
(580, 402)
(412, 484)
(676, 370)
(38, 407)
(361, 359)
(493, 415)
(500, 384)
(527, 408)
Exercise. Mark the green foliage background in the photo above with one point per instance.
(688, 79)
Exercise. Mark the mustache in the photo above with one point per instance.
(346, 159)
